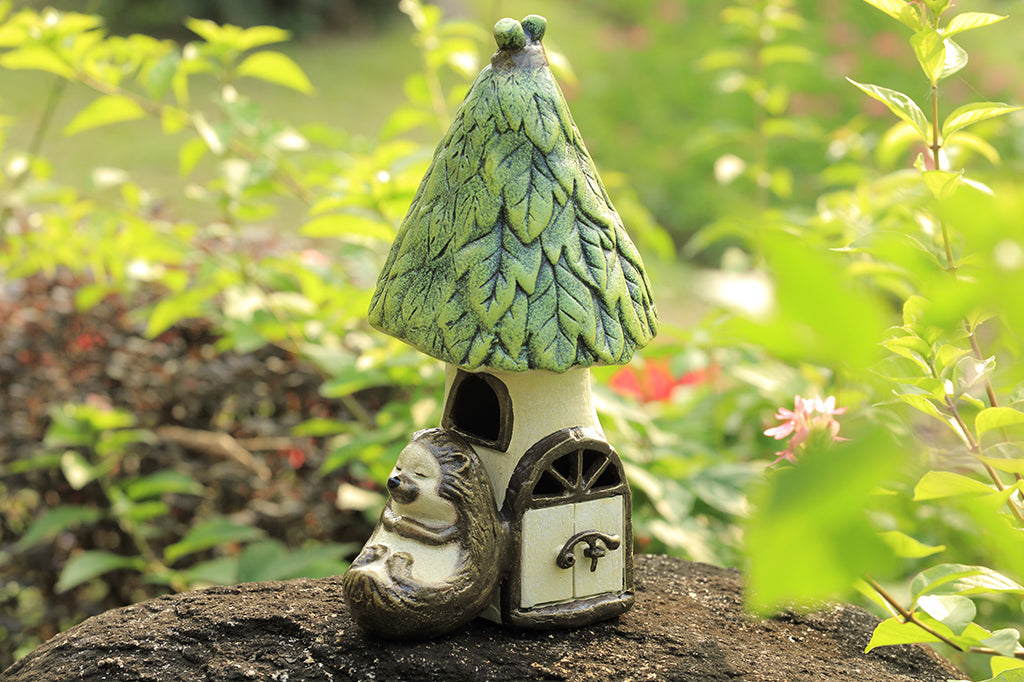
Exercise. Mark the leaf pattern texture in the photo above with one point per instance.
(511, 255)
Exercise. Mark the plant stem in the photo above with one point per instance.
(936, 146)
(951, 267)
(36, 142)
(909, 617)
(936, 149)
(976, 349)
(975, 449)
(993, 652)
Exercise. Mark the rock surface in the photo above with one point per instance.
(688, 624)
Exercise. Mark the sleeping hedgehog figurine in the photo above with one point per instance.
(433, 559)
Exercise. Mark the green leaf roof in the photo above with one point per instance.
(511, 255)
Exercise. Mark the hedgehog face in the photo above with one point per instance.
(416, 474)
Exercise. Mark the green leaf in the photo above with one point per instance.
(953, 611)
(930, 50)
(910, 347)
(190, 154)
(968, 372)
(159, 75)
(978, 144)
(961, 579)
(210, 533)
(105, 111)
(219, 571)
(1012, 675)
(785, 54)
(907, 547)
(826, 527)
(1005, 642)
(275, 67)
(1001, 664)
(404, 119)
(144, 511)
(922, 403)
(956, 59)
(342, 225)
(899, 104)
(898, 10)
(38, 58)
(1010, 466)
(234, 37)
(318, 427)
(258, 36)
(970, 20)
(996, 418)
(939, 484)
(91, 564)
(205, 29)
(162, 482)
(46, 460)
(942, 183)
(969, 114)
(173, 120)
(53, 521)
(914, 310)
(271, 560)
(894, 631)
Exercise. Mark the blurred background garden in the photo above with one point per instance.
(196, 198)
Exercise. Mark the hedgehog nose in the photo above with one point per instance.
(394, 482)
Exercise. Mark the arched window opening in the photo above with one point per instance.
(480, 409)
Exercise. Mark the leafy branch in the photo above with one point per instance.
(941, 610)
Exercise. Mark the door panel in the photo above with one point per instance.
(603, 515)
(544, 533)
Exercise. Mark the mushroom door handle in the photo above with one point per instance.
(594, 551)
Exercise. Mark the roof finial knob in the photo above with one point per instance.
(509, 35)
(535, 25)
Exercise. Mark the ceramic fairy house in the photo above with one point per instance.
(514, 269)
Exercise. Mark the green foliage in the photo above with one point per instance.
(811, 539)
(195, 257)
(89, 444)
(922, 239)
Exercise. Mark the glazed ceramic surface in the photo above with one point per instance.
(512, 256)
(513, 267)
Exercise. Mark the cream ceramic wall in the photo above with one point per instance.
(542, 403)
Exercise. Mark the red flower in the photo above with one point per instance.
(295, 456)
(86, 341)
(654, 381)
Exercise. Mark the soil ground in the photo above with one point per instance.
(688, 624)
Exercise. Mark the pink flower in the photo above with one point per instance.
(807, 415)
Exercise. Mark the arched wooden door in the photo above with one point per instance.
(568, 505)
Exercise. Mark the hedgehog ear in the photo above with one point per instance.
(459, 462)
(419, 433)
